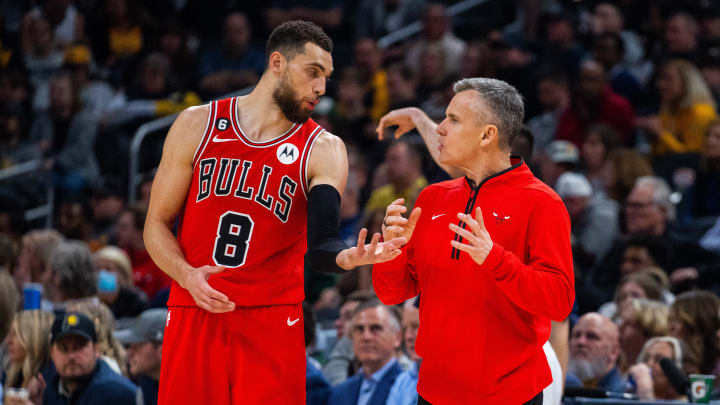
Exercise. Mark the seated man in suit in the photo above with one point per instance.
(375, 334)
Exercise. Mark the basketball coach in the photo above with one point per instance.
(489, 254)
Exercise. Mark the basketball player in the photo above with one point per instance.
(256, 184)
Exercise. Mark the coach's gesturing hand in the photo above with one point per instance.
(205, 296)
(478, 244)
(395, 225)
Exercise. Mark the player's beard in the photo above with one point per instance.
(286, 99)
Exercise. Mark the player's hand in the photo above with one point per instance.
(402, 118)
(205, 296)
(375, 252)
(395, 225)
(478, 240)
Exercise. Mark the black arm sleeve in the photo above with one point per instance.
(323, 229)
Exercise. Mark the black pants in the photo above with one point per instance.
(538, 400)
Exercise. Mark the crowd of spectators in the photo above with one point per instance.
(621, 118)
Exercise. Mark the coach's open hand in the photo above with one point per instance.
(375, 252)
(205, 296)
(402, 118)
(395, 225)
(479, 242)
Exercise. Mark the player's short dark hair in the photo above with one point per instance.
(289, 39)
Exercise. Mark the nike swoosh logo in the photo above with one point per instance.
(215, 139)
(437, 216)
(291, 323)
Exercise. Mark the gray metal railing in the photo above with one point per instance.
(413, 28)
(30, 167)
(142, 132)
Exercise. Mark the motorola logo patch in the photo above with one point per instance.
(287, 153)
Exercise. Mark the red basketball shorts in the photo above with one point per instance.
(253, 355)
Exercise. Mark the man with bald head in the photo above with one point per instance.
(594, 102)
(594, 352)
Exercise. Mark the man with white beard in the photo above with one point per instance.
(594, 351)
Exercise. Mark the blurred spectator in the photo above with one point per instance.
(432, 71)
(29, 352)
(636, 284)
(593, 103)
(594, 221)
(648, 208)
(15, 90)
(516, 64)
(9, 302)
(523, 144)
(32, 263)
(107, 201)
(650, 379)
(608, 19)
(351, 115)
(402, 86)
(93, 95)
(410, 325)
(74, 219)
(66, 23)
(70, 136)
(594, 353)
(710, 69)
(640, 320)
(351, 212)
(118, 37)
(596, 150)
(115, 283)
(325, 13)
(174, 44)
(686, 109)
(336, 369)
(554, 97)
(129, 235)
(111, 351)
(479, 59)
(80, 376)
(608, 51)
(15, 145)
(369, 59)
(710, 26)
(559, 157)
(234, 65)
(682, 37)
(375, 334)
(702, 198)
(316, 387)
(436, 29)
(376, 18)
(623, 168)
(404, 389)
(144, 339)
(694, 319)
(404, 173)
(561, 47)
(71, 274)
(42, 58)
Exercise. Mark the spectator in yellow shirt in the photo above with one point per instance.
(686, 109)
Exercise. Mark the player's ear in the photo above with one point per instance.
(276, 63)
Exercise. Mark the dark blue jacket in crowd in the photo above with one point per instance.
(104, 387)
(348, 392)
(612, 381)
(316, 386)
(150, 388)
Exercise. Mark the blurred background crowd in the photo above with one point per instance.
(621, 120)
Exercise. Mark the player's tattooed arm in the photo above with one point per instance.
(169, 190)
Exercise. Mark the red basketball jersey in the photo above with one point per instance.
(247, 210)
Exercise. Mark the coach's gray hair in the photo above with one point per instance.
(503, 103)
(661, 193)
(73, 266)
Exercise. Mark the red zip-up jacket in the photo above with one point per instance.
(482, 327)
